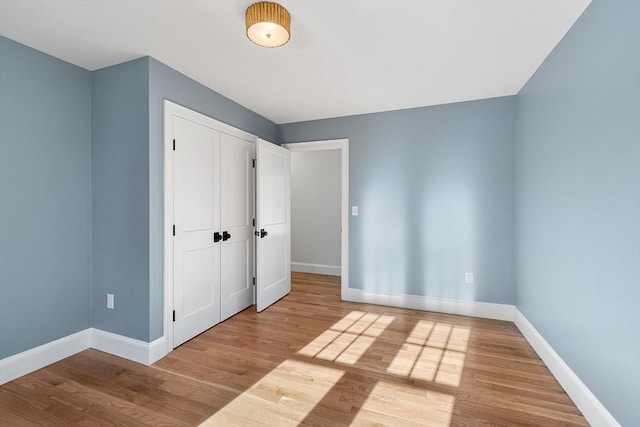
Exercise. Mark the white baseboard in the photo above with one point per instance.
(157, 350)
(128, 348)
(415, 302)
(303, 267)
(20, 364)
(36, 358)
(594, 411)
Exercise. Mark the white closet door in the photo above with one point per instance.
(236, 224)
(196, 256)
(274, 224)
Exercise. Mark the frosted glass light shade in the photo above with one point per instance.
(268, 24)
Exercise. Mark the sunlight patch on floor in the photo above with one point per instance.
(433, 352)
(284, 397)
(410, 406)
(348, 339)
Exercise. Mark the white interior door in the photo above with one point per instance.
(236, 204)
(273, 249)
(196, 213)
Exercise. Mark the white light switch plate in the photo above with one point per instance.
(354, 210)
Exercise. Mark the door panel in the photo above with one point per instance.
(272, 257)
(237, 181)
(196, 256)
(197, 274)
(237, 196)
(274, 218)
(239, 279)
(198, 187)
(274, 183)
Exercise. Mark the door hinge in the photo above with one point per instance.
(254, 222)
(254, 162)
(174, 229)
(174, 315)
(254, 281)
(174, 145)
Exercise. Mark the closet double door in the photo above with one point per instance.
(213, 255)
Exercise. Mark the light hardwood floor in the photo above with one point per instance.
(310, 359)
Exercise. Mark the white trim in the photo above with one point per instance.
(440, 305)
(24, 363)
(329, 144)
(167, 208)
(343, 146)
(157, 350)
(592, 409)
(36, 358)
(170, 110)
(128, 348)
(304, 267)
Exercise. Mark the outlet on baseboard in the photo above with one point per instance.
(468, 278)
(110, 303)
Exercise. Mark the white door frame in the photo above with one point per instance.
(343, 146)
(172, 109)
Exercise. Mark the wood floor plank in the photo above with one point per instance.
(313, 360)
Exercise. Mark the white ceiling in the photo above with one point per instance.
(345, 57)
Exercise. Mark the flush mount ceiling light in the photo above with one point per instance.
(268, 24)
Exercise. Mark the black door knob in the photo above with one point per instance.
(225, 236)
(263, 233)
(216, 237)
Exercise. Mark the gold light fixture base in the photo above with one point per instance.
(268, 24)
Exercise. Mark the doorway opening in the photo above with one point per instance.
(325, 262)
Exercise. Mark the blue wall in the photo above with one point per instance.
(120, 198)
(45, 138)
(435, 191)
(578, 203)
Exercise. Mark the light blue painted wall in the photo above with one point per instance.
(120, 198)
(167, 83)
(45, 138)
(578, 203)
(435, 191)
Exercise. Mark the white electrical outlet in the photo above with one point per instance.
(468, 278)
(110, 303)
